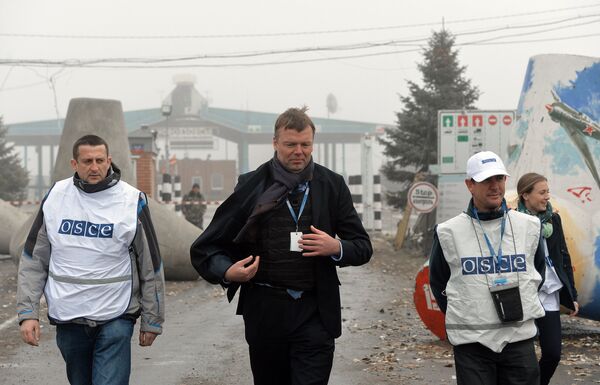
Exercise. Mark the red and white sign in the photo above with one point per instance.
(464, 132)
(423, 197)
(427, 307)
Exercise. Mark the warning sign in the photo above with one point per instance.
(428, 310)
(462, 133)
(423, 197)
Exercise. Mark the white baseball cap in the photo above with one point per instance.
(485, 164)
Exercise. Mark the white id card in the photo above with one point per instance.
(294, 238)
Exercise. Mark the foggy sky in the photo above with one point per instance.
(366, 88)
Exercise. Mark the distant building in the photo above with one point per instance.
(207, 145)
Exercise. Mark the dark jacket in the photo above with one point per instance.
(332, 211)
(439, 271)
(559, 254)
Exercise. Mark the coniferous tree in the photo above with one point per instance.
(13, 177)
(411, 146)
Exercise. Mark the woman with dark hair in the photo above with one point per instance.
(559, 285)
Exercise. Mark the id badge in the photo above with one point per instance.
(294, 238)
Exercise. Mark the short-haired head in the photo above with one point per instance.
(294, 119)
(89, 140)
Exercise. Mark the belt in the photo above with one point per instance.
(278, 292)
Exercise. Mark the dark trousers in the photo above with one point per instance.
(550, 344)
(515, 365)
(288, 343)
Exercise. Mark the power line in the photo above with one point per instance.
(6, 78)
(298, 61)
(283, 34)
(28, 85)
(129, 62)
(538, 40)
(530, 33)
(525, 26)
(312, 60)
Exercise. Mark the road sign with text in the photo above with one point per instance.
(423, 197)
(462, 133)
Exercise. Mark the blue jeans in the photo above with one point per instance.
(99, 355)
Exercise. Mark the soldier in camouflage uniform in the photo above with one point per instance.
(194, 206)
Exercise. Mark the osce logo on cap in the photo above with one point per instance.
(86, 229)
(488, 160)
(488, 265)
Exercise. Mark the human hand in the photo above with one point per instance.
(319, 244)
(239, 272)
(30, 331)
(147, 338)
(574, 312)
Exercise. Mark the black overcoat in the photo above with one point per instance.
(561, 259)
(332, 212)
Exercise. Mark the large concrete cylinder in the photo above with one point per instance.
(105, 119)
(17, 241)
(99, 117)
(11, 218)
(175, 236)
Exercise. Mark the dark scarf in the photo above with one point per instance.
(284, 182)
(544, 217)
(113, 177)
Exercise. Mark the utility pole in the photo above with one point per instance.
(403, 224)
(366, 143)
(166, 112)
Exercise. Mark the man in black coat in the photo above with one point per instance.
(275, 236)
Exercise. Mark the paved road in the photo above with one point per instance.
(203, 343)
(383, 340)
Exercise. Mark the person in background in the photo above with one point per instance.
(93, 253)
(559, 285)
(194, 206)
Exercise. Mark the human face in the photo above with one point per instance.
(487, 194)
(537, 200)
(92, 163)
(293, 148)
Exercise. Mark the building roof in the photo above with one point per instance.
(133, 121)
(242, 121)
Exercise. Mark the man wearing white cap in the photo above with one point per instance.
(485, 268)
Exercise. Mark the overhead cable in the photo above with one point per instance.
(286, 33)
(417, 42)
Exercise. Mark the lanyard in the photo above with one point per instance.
(296, 219)
(487, 239)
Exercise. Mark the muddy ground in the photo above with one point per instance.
(383, 341)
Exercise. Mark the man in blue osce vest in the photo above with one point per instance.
(275, 237)
(486, 266)
(92, 252)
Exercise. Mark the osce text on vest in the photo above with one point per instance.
(86, 229)
(486, 265)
